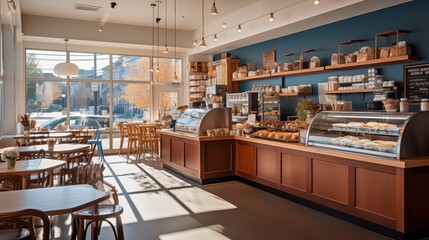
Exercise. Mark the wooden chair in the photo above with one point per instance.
(15, 226)
(148, 140)
(72, 162)
(124, 134)
(133, 138)
(99, 213)
(41, 179)
(11, 182)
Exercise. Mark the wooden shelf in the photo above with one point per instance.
(263, 76)
(375, 62)
(197, 91)
(368, 90)
(299, 72)
(294, 94)
(198, 73)
(392, 33)
(196, 85)
(196, 97)
(202, 79)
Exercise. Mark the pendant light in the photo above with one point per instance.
(213, 10)
(215, 38)
(66, 68)
(271, 19)
(239, 28)
(175, 78)
(152, 69)
(203, 42)
(165, 29)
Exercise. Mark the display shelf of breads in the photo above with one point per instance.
(371, 127)
(294, 125)
(365, 143)
(277, 135)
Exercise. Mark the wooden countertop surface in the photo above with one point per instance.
(408, 163)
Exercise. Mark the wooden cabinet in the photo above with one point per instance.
(268, 166)
(196, 159)
(245, 160)
(295, 173)
(220, 72)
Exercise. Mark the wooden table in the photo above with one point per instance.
(33, 166)
(62, 150)
(53, 200)
(43, 135)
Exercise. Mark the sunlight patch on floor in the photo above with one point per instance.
(128, 216)
(164, 178)
(206, 233)
(157, 205)
(200, 201)
(138, 183)
(124, 168)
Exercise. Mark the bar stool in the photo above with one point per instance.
(98, 143)
(133, 138)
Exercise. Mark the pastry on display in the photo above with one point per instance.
(278, 135)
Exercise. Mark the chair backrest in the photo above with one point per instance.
(122, 129)
(11, 182)
(16, 220)
(133, 130)
(78, 160)
(148, 132)
(104, 186)
(86, 174)
(40, 154)
(97, 134)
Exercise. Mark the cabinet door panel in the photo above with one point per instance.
(294, 171)
(331, 181)
(268, 165)
(375, 192)
(177, 152)
(192, 157)
(244, 158)
(218, 156)
(165, 149)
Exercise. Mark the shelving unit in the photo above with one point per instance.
(374, 62)
(220, 72)
(282, 74)
(197, 81)
(294, 94)
(368, 90)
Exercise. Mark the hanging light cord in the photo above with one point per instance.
(153, 34)
(175, 43)
(202, 15)
(165, 28)
(158, 19)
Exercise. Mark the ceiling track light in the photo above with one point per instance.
(175, 78)
(271, 19)
(316, 2)
(215, 38)
(239, 28)
(195, 43)
(100, 29)
(224, 25)
(213, 10)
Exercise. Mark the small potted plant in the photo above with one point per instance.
(306, 108)
(10, 156)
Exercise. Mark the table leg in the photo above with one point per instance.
(24, 182)
(51, 178)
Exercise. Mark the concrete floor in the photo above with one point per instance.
(159, 205)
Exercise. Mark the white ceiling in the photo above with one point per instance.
(137, 12)
(290, 16)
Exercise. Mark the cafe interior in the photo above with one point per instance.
(205, 119)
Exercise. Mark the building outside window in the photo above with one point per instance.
(108, 86)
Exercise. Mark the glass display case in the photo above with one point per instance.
(269, 108)
(198, 120)
(384, 134)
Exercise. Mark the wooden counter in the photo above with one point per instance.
(387, 192)
(199, 158)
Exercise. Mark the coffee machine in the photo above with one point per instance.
(215, 90)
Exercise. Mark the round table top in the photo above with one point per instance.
(27, 167)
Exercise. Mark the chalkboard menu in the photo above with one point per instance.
(416, 82)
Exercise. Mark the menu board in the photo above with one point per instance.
(269, 59)
(416, 82)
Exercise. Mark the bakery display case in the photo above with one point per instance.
(198, 120)
(384, 134)
(269, 107)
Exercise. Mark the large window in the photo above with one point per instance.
(112, 87)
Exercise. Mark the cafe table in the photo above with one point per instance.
(61, 150)
(26, 168)
(52, 200)
(40, 136)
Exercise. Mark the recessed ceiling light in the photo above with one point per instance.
(316, 2)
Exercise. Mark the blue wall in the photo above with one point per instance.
(409, 16)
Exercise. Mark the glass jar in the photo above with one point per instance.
(404, 106)
(424, 104)
(333, 83)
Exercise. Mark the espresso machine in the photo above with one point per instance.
(215, 90)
